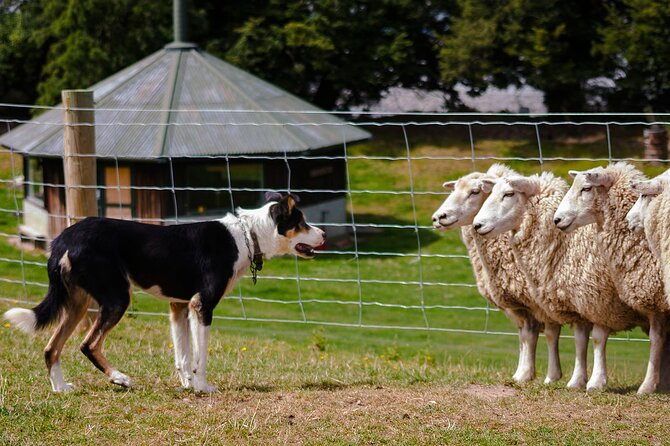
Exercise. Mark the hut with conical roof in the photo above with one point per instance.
(182, 134)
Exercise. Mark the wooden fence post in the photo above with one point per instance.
(79, 165)
(79, 161)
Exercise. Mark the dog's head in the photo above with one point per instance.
(296, 236)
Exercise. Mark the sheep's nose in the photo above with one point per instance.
(557, 220)
(439, 217)
(477, 226)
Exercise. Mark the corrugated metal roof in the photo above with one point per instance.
(184, 77)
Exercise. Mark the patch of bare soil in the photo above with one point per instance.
(490, 393)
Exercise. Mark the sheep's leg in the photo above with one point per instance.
(579, 374)
(657, 334)
(528, 335)
(598, 379)
(553, 333)
(522, 348)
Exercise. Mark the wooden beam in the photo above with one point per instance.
(79, 161)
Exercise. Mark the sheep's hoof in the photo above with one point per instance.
(576, 383)
(597, 383)
(552, 379)
(646, 388)
(524, 377)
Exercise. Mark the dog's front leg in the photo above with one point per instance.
(180, 339)
(200, 319)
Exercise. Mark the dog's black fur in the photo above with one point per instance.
(190, 264)
(105, 253)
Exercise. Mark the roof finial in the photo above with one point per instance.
(180, 19)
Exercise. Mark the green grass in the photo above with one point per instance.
(268, 372)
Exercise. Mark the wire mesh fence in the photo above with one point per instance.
(384, 266)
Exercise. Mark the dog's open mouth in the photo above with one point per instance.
(305, 250)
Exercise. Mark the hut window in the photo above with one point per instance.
(35, 176)
(118, 196)
(214, 177)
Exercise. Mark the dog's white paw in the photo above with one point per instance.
(204, 388)
(120, 379)
(186, 379)
(64, 388)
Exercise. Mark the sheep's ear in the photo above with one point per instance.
(449, 185)
(525, 186)
(650, 187)
(486, 185)
(599, 178)
(573, 173)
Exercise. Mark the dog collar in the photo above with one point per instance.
(257, 260)
(255, 256)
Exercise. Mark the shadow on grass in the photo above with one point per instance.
(260, 388)
(392, 239)
(324, 385)
(625, 390)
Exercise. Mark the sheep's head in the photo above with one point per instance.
(647, 191)
(465, 200)
(506, 205)
(581, 204)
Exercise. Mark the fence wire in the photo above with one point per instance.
(386, 268)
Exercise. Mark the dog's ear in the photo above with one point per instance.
(272, 196)
(284, 207)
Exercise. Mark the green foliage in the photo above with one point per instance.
(339, 53)
(89, 40)
(546, 44)
(636, 42)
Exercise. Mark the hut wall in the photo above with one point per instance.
(311, 174)
(54, 196)
(151, 206)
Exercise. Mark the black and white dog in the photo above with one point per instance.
(191, 265)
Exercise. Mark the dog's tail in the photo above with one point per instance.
(50, 309)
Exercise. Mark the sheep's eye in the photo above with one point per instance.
(586, 189)
(474, 191)
(508, 194)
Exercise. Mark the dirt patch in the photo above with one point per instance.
(490, 393)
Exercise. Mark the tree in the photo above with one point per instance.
(331, 52)
(337, 53)
(543, 43)
(88, 40)
(636, 44)
(20, 59)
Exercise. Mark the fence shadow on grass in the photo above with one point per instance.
(401, 240)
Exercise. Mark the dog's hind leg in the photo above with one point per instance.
(112, 307)
(74, 313)
(200, 319)
(180, 340)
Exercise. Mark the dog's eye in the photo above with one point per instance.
(508, 194)
(586, 189)
(474, 191)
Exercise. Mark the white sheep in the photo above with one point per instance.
(498, 278)
(602, 197)
(564, 270)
